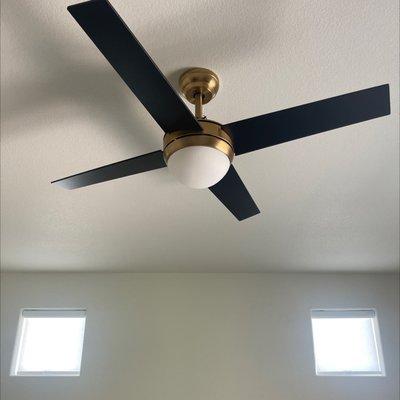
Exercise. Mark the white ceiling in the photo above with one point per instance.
(329, 202)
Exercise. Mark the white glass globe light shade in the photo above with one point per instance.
(198, 167)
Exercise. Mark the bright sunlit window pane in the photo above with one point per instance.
(346, 342)
(49, 342)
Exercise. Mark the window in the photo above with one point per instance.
(347, 343)
(49, 343)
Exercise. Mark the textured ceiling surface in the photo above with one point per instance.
(329, 202)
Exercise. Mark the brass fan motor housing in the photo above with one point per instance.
(212, 135)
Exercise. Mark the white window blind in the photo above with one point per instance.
(347, 343)
(49, 342)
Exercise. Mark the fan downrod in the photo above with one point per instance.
(199, 86)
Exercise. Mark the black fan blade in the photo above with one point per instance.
(297, 122)
(124, 52)
(232, 193)
(132, 166)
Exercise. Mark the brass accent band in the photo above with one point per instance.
(212, 136)
(198, 140)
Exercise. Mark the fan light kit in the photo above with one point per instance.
(199, 152)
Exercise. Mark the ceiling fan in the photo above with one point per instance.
(198, 151)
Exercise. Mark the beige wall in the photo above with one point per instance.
(200, 336)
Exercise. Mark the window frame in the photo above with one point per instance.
(368, 312)
(44, 313)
